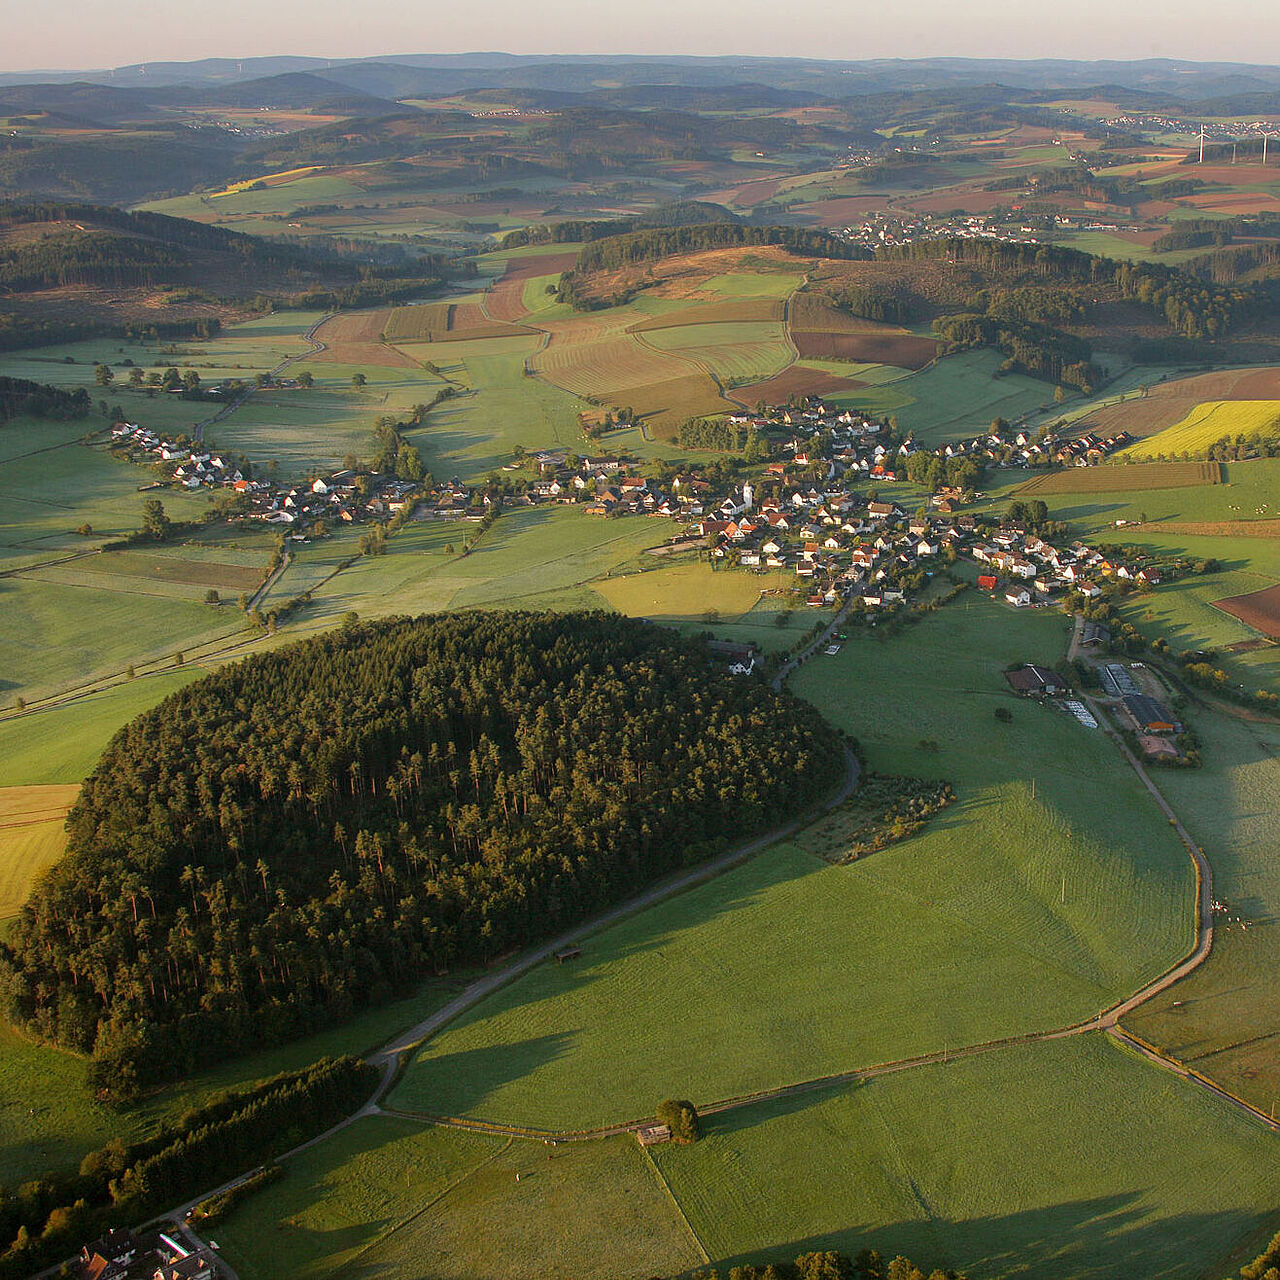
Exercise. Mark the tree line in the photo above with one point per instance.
(831, 1265)
(43, 1220)
(21, 398)
(310, 831)
(1036, 350)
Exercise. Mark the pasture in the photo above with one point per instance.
(1224, 1019)
(1070, 1158)
(1208, 423)
(956, 397)
(529, 554)
(389, 1196)
(1014, 910)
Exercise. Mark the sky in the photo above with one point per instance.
(107, 33)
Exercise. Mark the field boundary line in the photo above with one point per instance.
(675, 1204)
(417, 1213)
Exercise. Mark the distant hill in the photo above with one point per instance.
(70, 270)
(425, 75)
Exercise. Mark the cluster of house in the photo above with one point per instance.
(1090, 449)
(119, 1255)
(338, 497)
(1029, 569)
(884, 230)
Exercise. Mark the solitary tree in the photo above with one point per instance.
(306, 379)
(103, 376)
(358, 380)
(155, 523)
(681, 1117)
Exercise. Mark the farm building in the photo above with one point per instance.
(1149, 716)
(653, 1134)
(1117, 681)
(1032, 680)
(1155, 748)
(1095, 634)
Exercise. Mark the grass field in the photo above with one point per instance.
(956, 397)
(1206, 425)
(962, 934)
(688, 593)
(526, 555)
(389, 1196)
(1124, 478)
(1225, 1018)
(1064, 1159)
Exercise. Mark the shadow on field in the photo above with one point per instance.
(459, 1083)
(1106, 1238)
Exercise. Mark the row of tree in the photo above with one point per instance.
(312, 830)
(19, 398)
(43, 1220)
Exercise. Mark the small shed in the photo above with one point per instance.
(653, 1135)
(568, 953)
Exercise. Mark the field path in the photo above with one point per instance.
(226, 410)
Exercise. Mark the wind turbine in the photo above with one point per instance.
(1202, 142)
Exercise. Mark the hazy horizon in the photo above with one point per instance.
(88, 37)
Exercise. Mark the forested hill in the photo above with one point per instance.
(312, 830)
(69, 271)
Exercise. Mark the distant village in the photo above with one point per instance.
(821, 506)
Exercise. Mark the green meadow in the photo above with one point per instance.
(958, 396)
(393, 1197)
(1225, 1018)
(1066, 1158)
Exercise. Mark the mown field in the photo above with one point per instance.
(1065, 1159)
(1225, 1018)
(959, 935)
(1124, 478)
(688, 593)
(391, 1196)
(1208, 423)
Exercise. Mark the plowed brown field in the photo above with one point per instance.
(1259, 610)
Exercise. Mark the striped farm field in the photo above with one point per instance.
(506, 299)
(1208, 423)
(824, 332)
(747, 310)
(357, 339)
(885, 344)
(1125, 477)
(445, 322)
(31, 837)
(735, 353)
(418, 324)
(799, 379)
